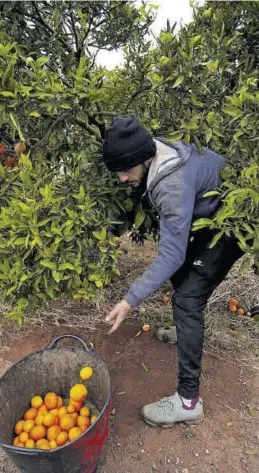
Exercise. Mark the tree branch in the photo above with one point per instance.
(89, 128)
(52, 126)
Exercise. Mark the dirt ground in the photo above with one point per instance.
(227, 441)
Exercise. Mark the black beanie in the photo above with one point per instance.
(127, 143)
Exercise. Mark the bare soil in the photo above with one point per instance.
(227, 441)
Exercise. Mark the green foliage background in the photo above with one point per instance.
(58, 204)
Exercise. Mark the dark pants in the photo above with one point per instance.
(194, 282)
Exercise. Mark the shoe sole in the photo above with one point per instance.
(168, 426)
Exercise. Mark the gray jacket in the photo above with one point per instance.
(178, 178)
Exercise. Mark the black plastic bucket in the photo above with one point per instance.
(56, 368)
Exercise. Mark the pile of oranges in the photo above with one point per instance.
(49, 424)
(235, 307)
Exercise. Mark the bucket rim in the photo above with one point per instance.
(34, 452)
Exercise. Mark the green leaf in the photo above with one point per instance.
(99, 283)
(210, 194)
(64, 266)
(232, 111)
(215, 239)
(208, 135)
(6, 93)
(48, 264)
(175, 136)
(34, 114)
(203, 221)
(139, 218)
(178, 82)
(57, 276)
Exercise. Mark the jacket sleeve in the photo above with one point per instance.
(175, 203)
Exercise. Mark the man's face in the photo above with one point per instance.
(133, 176)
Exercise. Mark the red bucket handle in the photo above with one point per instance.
(54, 343)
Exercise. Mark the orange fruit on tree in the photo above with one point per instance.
(85, 411)
(78, 392)
(86, 373)
(94, 419)
(241, 311)
(43, 444)
(49, 420)
(233, 302)
(53, 444)
(30, 414)
(39, 419)
(83, 422)
(74, 433)
(71, 408)
(37, 402)
(232, 308)
(19, 427)
(66, 422)
(28, 425)
(62, 411)
(60, 402)
(38, 432)
(51, 400)
(53, 432)
(20, 147)
(77, 404)
(16, 441)
(62, 438)
(23, 437)
(3, 148)
(165, 299)
(29, 444)
(54, 411)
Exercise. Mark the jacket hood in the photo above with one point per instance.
(168, 158)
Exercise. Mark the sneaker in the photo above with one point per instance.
(169, 410)
(167, 335)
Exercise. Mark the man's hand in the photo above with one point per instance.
(117, 315)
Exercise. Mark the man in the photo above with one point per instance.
(177, 177)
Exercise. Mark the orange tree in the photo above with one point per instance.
(200, 84)
(57, 201)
